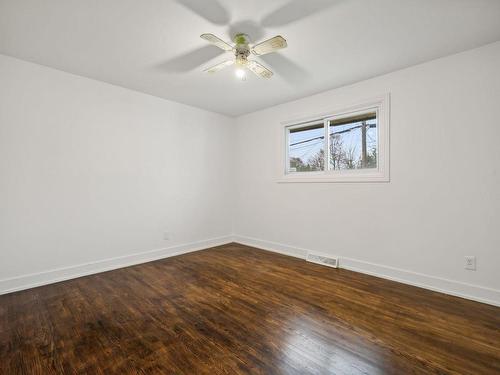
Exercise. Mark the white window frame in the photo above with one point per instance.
(380, 105)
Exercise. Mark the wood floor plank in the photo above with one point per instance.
(234, 309)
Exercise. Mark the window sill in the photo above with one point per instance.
(334, 178)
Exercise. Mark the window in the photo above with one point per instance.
(347, 145)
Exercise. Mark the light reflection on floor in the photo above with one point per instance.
(306, 349)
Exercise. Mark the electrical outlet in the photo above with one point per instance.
(470, 263)
(166, 236)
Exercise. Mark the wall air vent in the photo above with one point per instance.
(323, 260)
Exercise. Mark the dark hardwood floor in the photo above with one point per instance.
(238, 310)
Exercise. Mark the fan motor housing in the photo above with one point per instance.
(241, 49)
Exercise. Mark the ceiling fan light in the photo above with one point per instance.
(241, 74)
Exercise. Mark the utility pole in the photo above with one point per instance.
(364, 156)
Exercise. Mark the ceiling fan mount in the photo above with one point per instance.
(241, 39)
(242, 49)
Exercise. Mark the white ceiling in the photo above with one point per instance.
(153, 46)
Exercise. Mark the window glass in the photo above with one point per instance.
(306, 148)
(353, 142)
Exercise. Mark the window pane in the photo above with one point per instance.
(306, 148)
(353, 142)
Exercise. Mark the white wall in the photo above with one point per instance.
(443, 200)
(90, 171)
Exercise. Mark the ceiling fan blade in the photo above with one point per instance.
(270, 45)
(219, 66)
(211, 38)
(259, 69)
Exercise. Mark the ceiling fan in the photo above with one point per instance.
(242, 49)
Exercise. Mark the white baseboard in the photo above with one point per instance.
(455, 288)
(60, 274)
(296, 252)
(438, 284)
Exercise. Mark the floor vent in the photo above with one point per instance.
(323, 260)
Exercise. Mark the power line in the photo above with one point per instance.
(334, 133)
(304, 146)
(307, 140)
